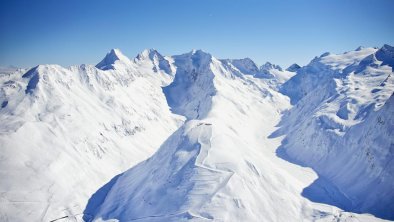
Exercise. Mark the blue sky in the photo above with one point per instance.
(70, 32)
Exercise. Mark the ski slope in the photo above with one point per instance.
(196, 138)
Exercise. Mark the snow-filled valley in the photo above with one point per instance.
(195, 138)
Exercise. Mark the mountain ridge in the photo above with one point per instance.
(193, 137)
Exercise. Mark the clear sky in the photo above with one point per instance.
(70, 32)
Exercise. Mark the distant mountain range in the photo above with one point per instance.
(195, 138)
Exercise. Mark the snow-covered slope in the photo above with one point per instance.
(274, 73)
(66, 131)
(191, 91)
(320, 70)
(211, 167)
(221, 164)
(245, 66)
(152, 58)
(344, 128)
(8, 70)
(75, 141)
(270, 72)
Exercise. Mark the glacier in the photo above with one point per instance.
(194, 138)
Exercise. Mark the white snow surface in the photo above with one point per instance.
(195, 138)
(66, 131)
(344, 127)
(7, 70)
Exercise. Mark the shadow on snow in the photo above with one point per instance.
(97, 199)
(322, 190)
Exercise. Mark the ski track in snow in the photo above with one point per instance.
(223, 162)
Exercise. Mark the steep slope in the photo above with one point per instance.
(220, 165)
(245, 66)
(293, 68)
(114, 59)
(274, 73)
(66, 131)
(190, 94)
(319, 71)
(271, 73)
(151, 57)
(343, 128)
(198, 173)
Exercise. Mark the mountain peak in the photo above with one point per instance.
(245, 65)
(294, 67)
(148, 54)
(152, 56)
(195, 59)
(326, 54)
(110, 59)
(386, 55)
(268, 66)
(199, 53)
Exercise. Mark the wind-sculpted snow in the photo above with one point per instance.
(66, 131)
(344, 128)
(190, 94)
(219, 166)
(156, 59)
(169, 184)
(269, 72)
(319, 71)
(112, 59)
(245, 66)
(213, 167)
(386, 55)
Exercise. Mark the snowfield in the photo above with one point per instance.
(196, 138)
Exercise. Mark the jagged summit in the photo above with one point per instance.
(30, 72)
(245, 65)
(383, 56)
(197, 60)
(386, 55)
(293, 68)
(110, 59)
(193, 79)
(153, 57)
(266, 71)
(325, 54)
(148, 54)
(269, 66)
(227, 145)
(197, 53)
(321, 70)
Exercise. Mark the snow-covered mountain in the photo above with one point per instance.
(293, 68)
(196, 138)
(244, 66)
(342, 126)
(66, 131)
(7, 70)
(270, 72)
